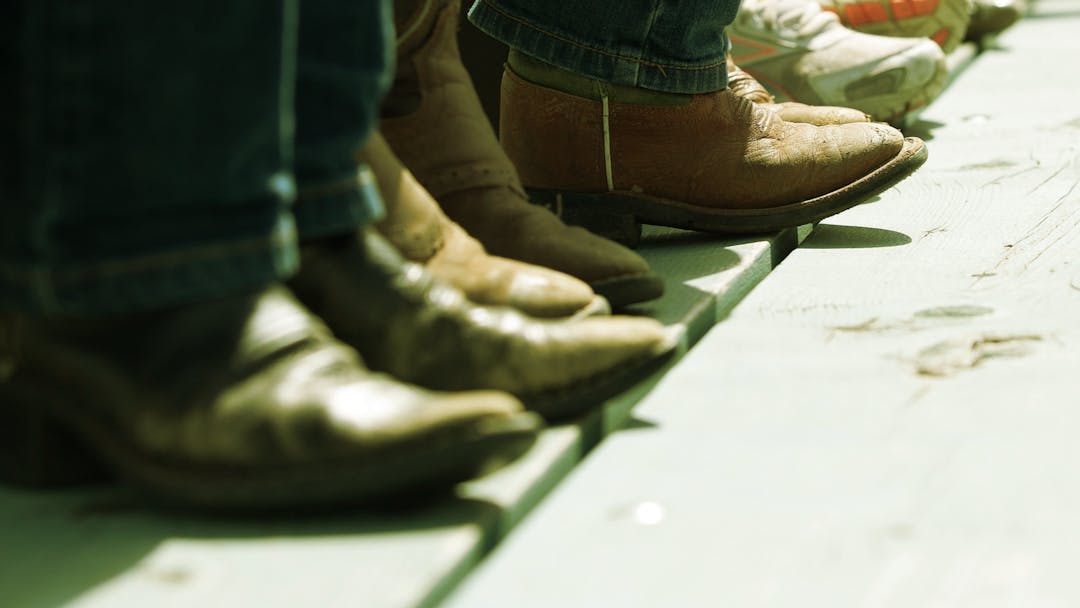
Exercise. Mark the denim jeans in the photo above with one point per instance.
(677, 46)
(153, 154)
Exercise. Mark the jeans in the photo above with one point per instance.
(676, 46)
(154, 154)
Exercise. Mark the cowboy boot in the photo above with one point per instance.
(434, 122)
(405, 323)
(715, 162)
(418, 228)
(245, 402)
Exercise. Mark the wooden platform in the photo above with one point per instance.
(886, 418)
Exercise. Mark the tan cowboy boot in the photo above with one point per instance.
(419, 229)
(434, 122)
(243, 402)
(405, 323)
(715, 162)
(746, 86)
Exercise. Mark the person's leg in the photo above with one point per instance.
(677, 46)
(601, 121)
(144, 227)
(143, 161)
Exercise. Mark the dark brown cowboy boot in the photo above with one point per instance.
(245, 402)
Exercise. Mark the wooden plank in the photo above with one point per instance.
(889, 419)
(102, 548)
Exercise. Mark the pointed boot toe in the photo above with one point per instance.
(418, 228)
(407, 324)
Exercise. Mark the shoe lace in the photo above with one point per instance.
(799, 20)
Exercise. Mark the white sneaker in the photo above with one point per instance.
(802, 53)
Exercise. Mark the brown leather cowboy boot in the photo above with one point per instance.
(746, 86)
(418, 228)
(434, 122)
(714, 162)
(405, 323)
(245, 402)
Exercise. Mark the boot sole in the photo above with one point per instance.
(571, 402)
(424, 466)
(627, 290)
(634, 208)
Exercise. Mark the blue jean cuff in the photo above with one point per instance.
(339, 206)
(564, 51)
(155, 281)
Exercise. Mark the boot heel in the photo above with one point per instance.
(586, 210)
(37, 452)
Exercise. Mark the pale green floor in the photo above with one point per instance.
(795, 456)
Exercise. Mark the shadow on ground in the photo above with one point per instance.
(58, 546)
(839, 236)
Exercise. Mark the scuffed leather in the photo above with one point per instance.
(250, 382)
(719, 151)
(407, 324)
(419, 229)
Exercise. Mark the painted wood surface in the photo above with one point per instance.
(890, 418)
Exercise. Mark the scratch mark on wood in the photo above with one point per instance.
(1060, 201)
(998, 163)
(934, 230)
(1050, 177)
(953, 312)
(998, 180)
(918, 395)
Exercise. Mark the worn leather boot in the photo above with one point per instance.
(245, 402)
(746, 86)
(405, 323)
(418, 228)
(434, 122)
(716, 162)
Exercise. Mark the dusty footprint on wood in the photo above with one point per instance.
(958, 354)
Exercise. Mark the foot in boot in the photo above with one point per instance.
(715, 162)
(405, 323)
(245, 402)
(418, 228)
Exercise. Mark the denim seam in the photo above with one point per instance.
(660, 66)
(112, 269)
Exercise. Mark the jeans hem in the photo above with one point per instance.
(339, 206)
(151, 282)
(580, 57)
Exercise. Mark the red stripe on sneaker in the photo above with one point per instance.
(941, 36)
(902, 9)
(925, 7)
(864, 13)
